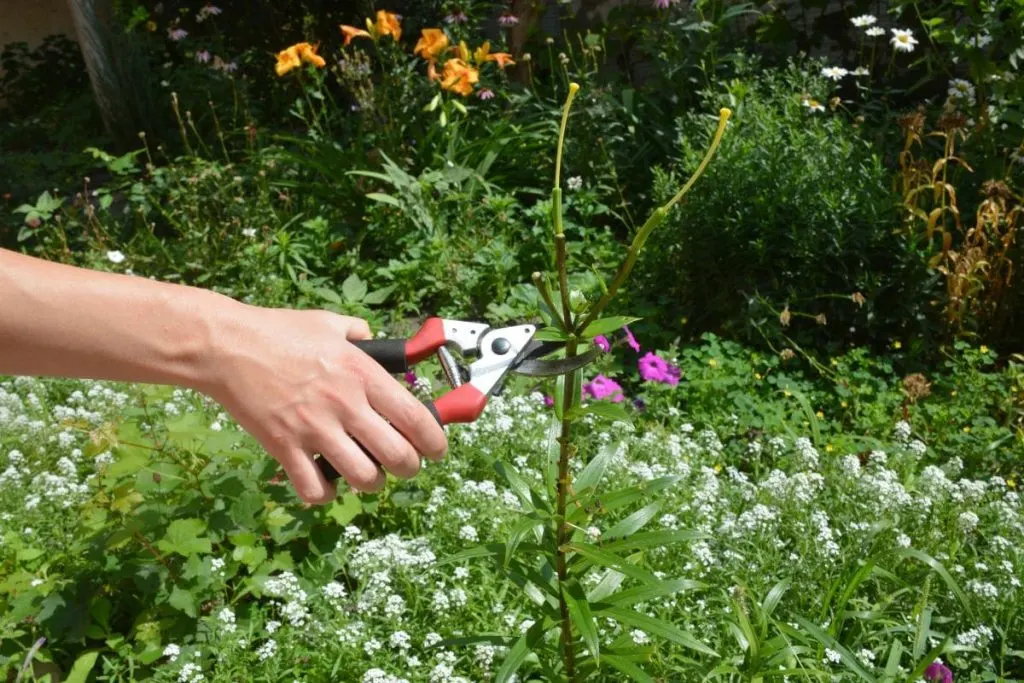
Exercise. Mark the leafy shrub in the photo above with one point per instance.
(799, 212)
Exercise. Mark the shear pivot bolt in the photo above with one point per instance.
(501, 346)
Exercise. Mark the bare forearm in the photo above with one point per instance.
(57, 320)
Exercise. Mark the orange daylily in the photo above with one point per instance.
(351, 32)
(484, 54)
(295, 55)
(459, 77)
(432, 71)
(388, 25)
(433, 42)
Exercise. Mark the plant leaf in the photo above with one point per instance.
(353, 289)
(656, 627)
(379, 296)
(604, 558)
(384, 199)
(942, 572)
(82, 667)
(631, 596)
(653, 539)
(579, 612)
(632, 524)
(551, 334)
(518, 653)
(592, 473)
(771, 601)
(627, 667)
(831, 643)
(605, 409)
(515, 482)
(607, 325)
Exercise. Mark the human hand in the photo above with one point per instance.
(294, 380)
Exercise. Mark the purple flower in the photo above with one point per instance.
(548, 401)
(631, 340)
(410, 378)
(639, 404)
(456, 18)
(485, 94)
(661, 4)
(602, 387)
(203, 56)
(939, 672)
(177, 34)
(654, 368)
(508, 20)
(601, 342)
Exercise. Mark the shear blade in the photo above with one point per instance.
(532, 367)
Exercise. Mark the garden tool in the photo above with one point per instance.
(495, 353)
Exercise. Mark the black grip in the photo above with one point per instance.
(328, 469)
(389, 353)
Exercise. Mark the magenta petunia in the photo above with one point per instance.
(410, 378)
(938, 673)
(548, 401)
(631, 340)
(602, 387)
(601, 342)
(654, 368)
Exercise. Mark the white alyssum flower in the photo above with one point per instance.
(248, 232)
(903, 40)
(639, 637)
(980, 41)
(832, 656)
(267, 650)
(863, 20)
(115, 257)
(191, 673)
(967, 521)
(172, 651)
(227, 620)
(574, 183)
(334, 591)
(468, 533)
(272, 626)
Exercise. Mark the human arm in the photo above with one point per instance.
(292, 378)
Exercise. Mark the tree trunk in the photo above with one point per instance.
(93, 20)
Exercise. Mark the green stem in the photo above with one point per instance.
(573, 89)
(541, 283)
(563, 279)
(564, 532)
(647, 228)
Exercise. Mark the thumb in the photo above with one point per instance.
(358, 329)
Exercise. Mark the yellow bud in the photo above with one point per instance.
(574, 88)
(724, 113)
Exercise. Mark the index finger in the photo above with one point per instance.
(405, 412)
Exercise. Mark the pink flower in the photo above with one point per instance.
(177, 34)
(548, 401)
(601, 342)
(456, 18)
(602, 387)
(631, 340)
(485, 94)
(508, 20)
(410, 378)
(207, 11)
(653, 368)
(661, 4)
(939, 673)
(203, 56)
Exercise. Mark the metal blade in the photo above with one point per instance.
(550, 368)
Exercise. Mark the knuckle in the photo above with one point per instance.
(311, 493)
(366, 478)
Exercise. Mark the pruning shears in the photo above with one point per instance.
(495, 353)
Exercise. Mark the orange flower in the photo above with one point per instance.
(388, 25)
(484, 54)
(459, 77)
(432, 71)
(352, 32)
(433, 43)
(295, 55)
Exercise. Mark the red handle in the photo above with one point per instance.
(463, 404)
(428, 339)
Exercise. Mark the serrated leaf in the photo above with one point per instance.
(353, 289)
(627, 667)
(184, 537)
(182, 599)
(379, 296)
(607, 325)
(633, 523)
(82, 667)
(384, 199)
(656, 627)
(579, 612)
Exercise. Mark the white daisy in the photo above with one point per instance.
(834, 72)
(863, 20)
(903, 40)
(875, 31)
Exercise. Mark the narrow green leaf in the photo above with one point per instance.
(605, 409)
(518, 653)
(942, 572)
(591, 475)
(653, 539)
(486, 550)
(831, 643)
(923, 631)
(771, 601)
(632, 596)
(656, 627)
(604, 558)
(632, 524)
(892, 665)
(516, 537)
(607, 325)
(606, 586)
(515, 482)
(551, 334)
(630, 669)
(384, 199)
(579, 612)
(82, 667)
(753, 643)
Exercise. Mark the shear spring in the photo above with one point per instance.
(449, 367)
